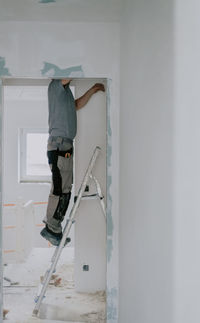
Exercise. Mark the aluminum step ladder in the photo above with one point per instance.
(71, 219)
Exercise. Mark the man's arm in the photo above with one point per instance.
(83, 100)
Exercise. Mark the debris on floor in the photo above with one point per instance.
(55, 280)
(5, 312)
(62, 303)
(9, 282)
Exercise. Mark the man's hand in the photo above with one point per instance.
(83, 100)
(98, 87)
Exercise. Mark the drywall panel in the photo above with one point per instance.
(146, 249)
(21, 114)
(90, 226)
(60, 10)
(187, 162)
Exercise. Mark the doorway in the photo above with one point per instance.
(83, 263)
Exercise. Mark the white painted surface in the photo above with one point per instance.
(146, 157)
(25, 234)
(64, 44)
(20, 233)
(60, 10)
(21, 113)
(90, 226)
(187, 162)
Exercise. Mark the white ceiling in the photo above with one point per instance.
(60, 10)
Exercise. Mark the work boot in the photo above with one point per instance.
(53, 237)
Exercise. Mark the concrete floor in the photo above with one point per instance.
(61, 304)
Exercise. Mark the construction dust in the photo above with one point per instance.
(61, 304)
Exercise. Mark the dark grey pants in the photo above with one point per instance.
(60, 158)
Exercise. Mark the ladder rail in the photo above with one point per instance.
(100, 195)
(81, 191)
(69, 222)
(84, 182)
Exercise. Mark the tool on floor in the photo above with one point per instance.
(71, 219)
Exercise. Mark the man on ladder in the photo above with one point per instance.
(62, 131)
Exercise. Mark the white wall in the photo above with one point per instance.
(21, 114)
(90, 226)
(187, 162)
(160, 104)
(94, 46)
(146, 163)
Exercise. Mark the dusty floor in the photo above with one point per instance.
(61, 304)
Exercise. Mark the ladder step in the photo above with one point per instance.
(88, 197)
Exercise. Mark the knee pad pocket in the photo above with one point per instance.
(62, 206)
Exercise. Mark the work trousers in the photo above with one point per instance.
(60, 158)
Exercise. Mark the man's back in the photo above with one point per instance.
(62, 111)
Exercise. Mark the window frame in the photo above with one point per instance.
(23, 177)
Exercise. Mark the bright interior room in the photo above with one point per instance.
(142, 266)
(77, 288)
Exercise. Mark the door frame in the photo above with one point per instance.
(112, 293)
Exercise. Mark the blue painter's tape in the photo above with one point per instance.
(109, 249)
(110, 225)
(46, 1)
(111, 305)
(112, 293)
(53, 70)
(3, 70)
